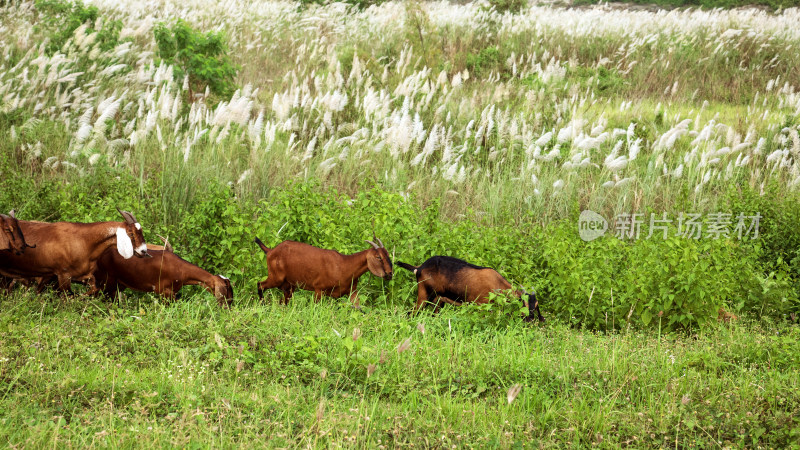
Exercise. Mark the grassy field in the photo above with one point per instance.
(85, 373)
(451, 129)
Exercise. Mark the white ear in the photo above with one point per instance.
(124, 244)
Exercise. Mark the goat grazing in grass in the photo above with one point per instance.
(165, 274)
(456, 281)
(294, 265)
(69, 251)
(11, 237)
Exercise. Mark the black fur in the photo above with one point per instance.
(408, 267)
(533, 306)
(447, 265)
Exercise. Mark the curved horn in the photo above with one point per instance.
(167, 245)
(12, 213)
(381, 242)
(126, 215)
(374, 245)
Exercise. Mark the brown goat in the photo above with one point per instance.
(42, 282)
(456, 281)
(70, 251)
(294, 265)
(165, 274)
(11, 238)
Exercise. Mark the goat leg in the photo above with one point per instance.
(288, 291)
(422, 297)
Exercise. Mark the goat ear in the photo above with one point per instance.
(5, 244)
(124, 244)
(374, 245)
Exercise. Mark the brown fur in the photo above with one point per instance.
(725, 316)
(295, 265)
(68, 251)
(165, 274)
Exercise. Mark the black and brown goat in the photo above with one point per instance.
(294, 265)
(456, 281)
(164, 274)
(69, 251)
(11, 238)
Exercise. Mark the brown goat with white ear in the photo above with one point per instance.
(11, 237)
(292, 265)
(165, 274)
(70, 251)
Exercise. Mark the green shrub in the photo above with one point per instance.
(609, 283)
(359, 4)
(201, 56)
(62, 18)
(512, 6)
(677, 282)
(486, 60)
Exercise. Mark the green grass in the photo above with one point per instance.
(78, 372)
(81, 372)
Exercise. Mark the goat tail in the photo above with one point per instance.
(263, 247)
(408, 267)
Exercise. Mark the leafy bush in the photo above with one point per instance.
(487, 59)
(512, 6)
(677, 282)
(604, 284)
(360, 4)
(64, 17)
(203, 57)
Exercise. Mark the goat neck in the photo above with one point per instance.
(355, 264)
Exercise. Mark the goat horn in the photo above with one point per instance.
(167, 245)
(381, 242)
(374, 245)
(12, 214)
(125, 215)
